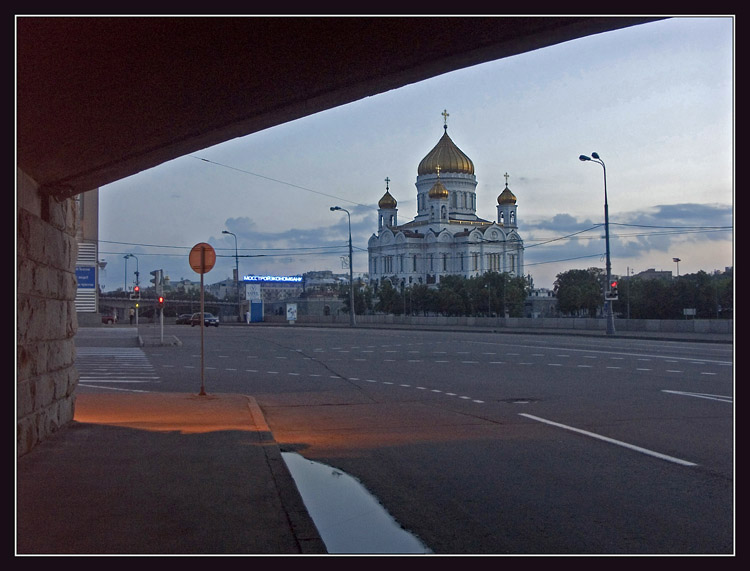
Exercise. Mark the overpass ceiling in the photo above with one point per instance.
(102, 98)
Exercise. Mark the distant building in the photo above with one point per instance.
(446, 237)
(541, 302)
(652, 274)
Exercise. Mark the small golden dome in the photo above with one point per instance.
(387, 201)
(506, 197)
(448, 156)
(438, 190)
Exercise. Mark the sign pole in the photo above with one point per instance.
(202, 259)
(203, 389)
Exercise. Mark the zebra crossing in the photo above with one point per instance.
(115, 368)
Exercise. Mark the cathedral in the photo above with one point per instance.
(446, 237)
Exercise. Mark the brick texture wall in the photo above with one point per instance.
(46, 323)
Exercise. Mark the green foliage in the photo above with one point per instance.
(579, 292)
(362, 298)
(489, 294)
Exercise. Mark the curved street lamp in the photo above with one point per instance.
(607, 302)
(351, 270)
(236, 274)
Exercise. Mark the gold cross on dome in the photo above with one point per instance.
(438, 171)
(445, 115)
(387, 180)
(506, 178)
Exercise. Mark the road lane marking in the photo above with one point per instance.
(720, 398)
(611, 440)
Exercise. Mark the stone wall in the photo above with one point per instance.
(46, 323)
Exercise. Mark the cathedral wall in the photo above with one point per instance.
(46, 376)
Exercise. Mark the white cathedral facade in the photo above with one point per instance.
(446, 237)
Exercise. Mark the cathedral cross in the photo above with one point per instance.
(387, 180)
(445, 115)
(506, 178)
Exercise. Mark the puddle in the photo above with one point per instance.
(349, 518)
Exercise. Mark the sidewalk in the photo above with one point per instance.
(161, 473)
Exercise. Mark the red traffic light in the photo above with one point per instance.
(614, 284)
(161, 300)
(136, 289)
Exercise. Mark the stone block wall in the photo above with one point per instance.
(46, 323)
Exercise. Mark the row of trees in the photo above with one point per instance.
(580, 293)
(489, 294)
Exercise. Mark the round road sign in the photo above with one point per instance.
(202, 258)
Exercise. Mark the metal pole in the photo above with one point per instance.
(607, 302)
(203, 266)
(137, 283)
(351, 268)
(351, 275)
(610, 314)
(236, 273)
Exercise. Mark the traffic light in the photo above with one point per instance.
(160, 301)
(612, 293)
(137, 291)
(157, 280)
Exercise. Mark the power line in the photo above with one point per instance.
(281, 182)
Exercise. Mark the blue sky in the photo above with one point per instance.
(656, 101)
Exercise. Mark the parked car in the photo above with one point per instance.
(109, 318)
(184, 319)
(208, 319)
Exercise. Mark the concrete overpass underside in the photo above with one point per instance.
(99, 99)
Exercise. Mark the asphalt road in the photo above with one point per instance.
(484, 443)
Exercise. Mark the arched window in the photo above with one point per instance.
(443, 212)
(512, 217)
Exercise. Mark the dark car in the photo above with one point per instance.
(208, 319)
(184, 319)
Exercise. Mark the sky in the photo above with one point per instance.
(655, 101)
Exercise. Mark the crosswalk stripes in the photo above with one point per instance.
(114, 368)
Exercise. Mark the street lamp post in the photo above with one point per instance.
(677, 261)
(351, 270)
(607, 302)
(137, 280)
(236, 274)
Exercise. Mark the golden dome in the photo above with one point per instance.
(448, 156)
(506, 197)
(387, 201)
(438, 190)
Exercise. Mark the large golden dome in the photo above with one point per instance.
(447, 156)
(387, 201)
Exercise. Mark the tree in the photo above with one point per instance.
(580, 291)
(362, 298)
(452, 296)
(389, 299)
